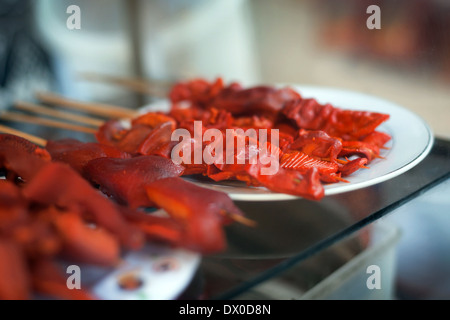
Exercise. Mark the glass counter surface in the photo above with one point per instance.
(289, 232)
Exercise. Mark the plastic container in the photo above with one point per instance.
(350, 282)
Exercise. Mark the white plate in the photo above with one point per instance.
(411, 142)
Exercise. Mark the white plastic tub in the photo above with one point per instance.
(349, 282)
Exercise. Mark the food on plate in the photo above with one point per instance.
(88, 202)
(77, 153)
(312, 144)
(125, 179)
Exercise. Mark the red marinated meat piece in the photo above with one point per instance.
(202, 212)
(300, 161)
(198, 91)
(140, 139)
(13, 206)
(58, 184)
(318, 144)
(360, 148)
(306, 185)
(82, 243)
(21, 158)
(15, 283)
(352, 166)
(125, 179)
(377, 138)
(256, 100)
(346, 124)
(77, 154)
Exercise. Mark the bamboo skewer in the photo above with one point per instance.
(39, 141)
(35, 108)
(42, 142)
(105, 110)
(157, 88)
(19, 117)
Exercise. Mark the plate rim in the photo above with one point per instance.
(275, 196)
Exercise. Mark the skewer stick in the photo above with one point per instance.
(35, 108)
(157, 88)
(42, 142)
(238, 218)
(18, 117)
(106, 110)
(39, 141)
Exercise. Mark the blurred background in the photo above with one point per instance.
(321, 42)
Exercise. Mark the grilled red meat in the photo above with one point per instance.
(77, 154)
(125, 179)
